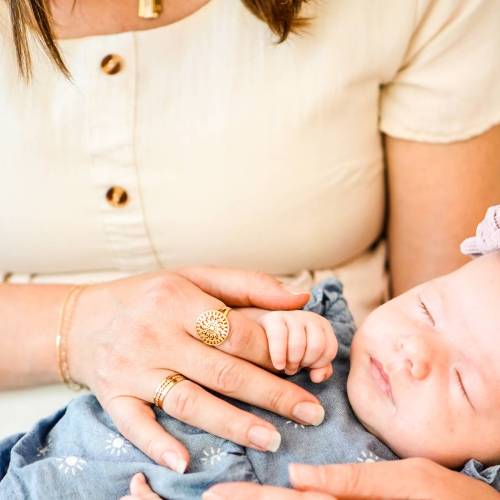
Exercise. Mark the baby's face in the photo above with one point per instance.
(425, 368)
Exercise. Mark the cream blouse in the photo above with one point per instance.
(204, 142)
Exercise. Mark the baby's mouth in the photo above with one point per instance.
(381, 377)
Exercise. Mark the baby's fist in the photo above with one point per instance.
(300, 339)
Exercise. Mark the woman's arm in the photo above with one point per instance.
(126, 336)
(29, 318)
(437, 195)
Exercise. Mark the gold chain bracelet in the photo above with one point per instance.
(65, 317)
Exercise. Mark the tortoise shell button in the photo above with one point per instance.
(117, 196)
(112, 64)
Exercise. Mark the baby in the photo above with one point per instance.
(425, 370)
(421, 377)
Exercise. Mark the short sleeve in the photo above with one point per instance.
(448, 85)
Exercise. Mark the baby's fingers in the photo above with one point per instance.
(297, 341)
(330, 347)
(277, 338)
(316, 343)
(318, 375)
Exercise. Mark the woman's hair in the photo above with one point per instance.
(282, 17)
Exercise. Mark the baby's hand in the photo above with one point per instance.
(299, 339)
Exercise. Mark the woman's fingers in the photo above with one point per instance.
(244, 381)
(252, 491)
(239, 288)
(246, 339)
(193, 405)
(136, 421)
(140, 490)
(412, 478)
(345, 480)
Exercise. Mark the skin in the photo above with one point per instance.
(113, 329)
(431, 341)
(102, 17)
(466, 173)
(420, 338)
(439, 345)
(297, 339)
(117, 322)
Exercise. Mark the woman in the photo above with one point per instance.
(192, 139)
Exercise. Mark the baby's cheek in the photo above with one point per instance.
(361, 402)
(412, 434)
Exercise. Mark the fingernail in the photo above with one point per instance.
(173, 461)
(310, 413)
(264, 438)
(210, 495)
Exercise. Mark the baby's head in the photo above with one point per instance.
(425, 367)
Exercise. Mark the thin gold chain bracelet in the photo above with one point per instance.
(65, 317)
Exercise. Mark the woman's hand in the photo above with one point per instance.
(127, 335)
(412, 478)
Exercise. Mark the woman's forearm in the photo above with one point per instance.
(29, 316)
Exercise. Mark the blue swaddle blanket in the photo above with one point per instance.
(78, 453)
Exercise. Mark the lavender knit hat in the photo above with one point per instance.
(487, 237)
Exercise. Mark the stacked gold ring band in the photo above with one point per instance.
(164, 387)
(212, 326)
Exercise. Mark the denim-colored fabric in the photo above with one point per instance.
(78, 453)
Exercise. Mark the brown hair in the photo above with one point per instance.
(282, 17)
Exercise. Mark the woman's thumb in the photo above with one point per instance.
(240, 288)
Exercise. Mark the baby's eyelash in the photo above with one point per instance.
(424, 309)
(462, 388)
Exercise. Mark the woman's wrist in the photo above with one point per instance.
(63, 328)
(90, 320)
(30, 315)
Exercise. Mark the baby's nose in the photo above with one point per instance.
(419, 369)
(417, 354)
